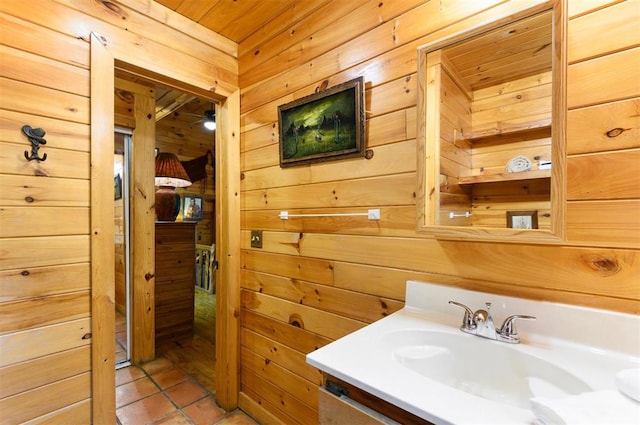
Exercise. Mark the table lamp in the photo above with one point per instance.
(169, 174)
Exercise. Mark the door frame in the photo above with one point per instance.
(103, 64)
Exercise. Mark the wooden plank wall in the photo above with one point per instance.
(45, 284)
(317, 279)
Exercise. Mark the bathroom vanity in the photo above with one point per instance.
(419, 360)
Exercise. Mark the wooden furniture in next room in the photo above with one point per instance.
(175, 271)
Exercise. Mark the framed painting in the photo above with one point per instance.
(324, 126)
(192, 208)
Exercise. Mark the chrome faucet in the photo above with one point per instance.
(481, 324)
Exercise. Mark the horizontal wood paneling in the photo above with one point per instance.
(78, 412)
(30, 282)
(45, 221)
(612, 175)
(390, 190)
(622, 67)
(38, 191)
(601, 221)
(33, 313)
(60, 134)
(19, 346)
(35, 373)
(45, 281)
(31, 404)
(281, 354)
(312, 266)
(605, 127)
(43, 251)
(135, 39)
(620, 23)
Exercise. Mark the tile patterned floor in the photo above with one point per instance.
(160, 392)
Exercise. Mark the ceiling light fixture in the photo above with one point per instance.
(210, 119)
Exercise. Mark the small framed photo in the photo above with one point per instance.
(117, 187)
(192, 208)
(522, 219)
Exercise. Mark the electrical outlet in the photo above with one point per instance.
(256, 239)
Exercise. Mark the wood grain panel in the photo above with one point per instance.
(46, 192)
(20, 347)
(305, 391)
(326, 324)
(261, 409)
(137, 49)
(305, 39)
(582, 7)
(43, 251)
(619, 21)
(180, 23)
(61, 163)
(281, 22)
(78, 412)
(310, 269)
(589, 82)
(281, 401)
(60, 47)
(31, 404)
(24, 97)
(35, 69)
(364, 307)
(43, 371)
(43, 281)
(390, 190)
(292, 336)
(605, 127)
(259, 137)
(281, 354)
(46, 221)
(607, 223)
(32, 313)
(608, 272)
(424, 19)
(394, 221)
(614, 175)
(61, 134)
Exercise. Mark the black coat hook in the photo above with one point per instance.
(36, 137)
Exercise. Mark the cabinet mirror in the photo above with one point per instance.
(491, 114)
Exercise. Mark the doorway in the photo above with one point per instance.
(104, 64)
(178, 128)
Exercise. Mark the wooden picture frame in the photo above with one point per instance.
(324, 126)
(192, 208)
(522, 219)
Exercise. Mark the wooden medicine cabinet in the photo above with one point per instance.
(491, 123)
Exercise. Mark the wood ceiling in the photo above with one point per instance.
(233, 19)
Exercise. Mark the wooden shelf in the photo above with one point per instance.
(506, 177)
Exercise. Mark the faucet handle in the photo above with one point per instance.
(508, 330)
(467, 321)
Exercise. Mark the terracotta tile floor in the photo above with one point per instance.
(160, 392)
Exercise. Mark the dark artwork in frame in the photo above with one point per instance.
(324, 126)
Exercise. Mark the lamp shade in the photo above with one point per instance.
(169, 174)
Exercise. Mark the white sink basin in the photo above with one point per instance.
(485, 368)
(419, 360)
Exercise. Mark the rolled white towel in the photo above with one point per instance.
(628, 383)
(607, 407)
